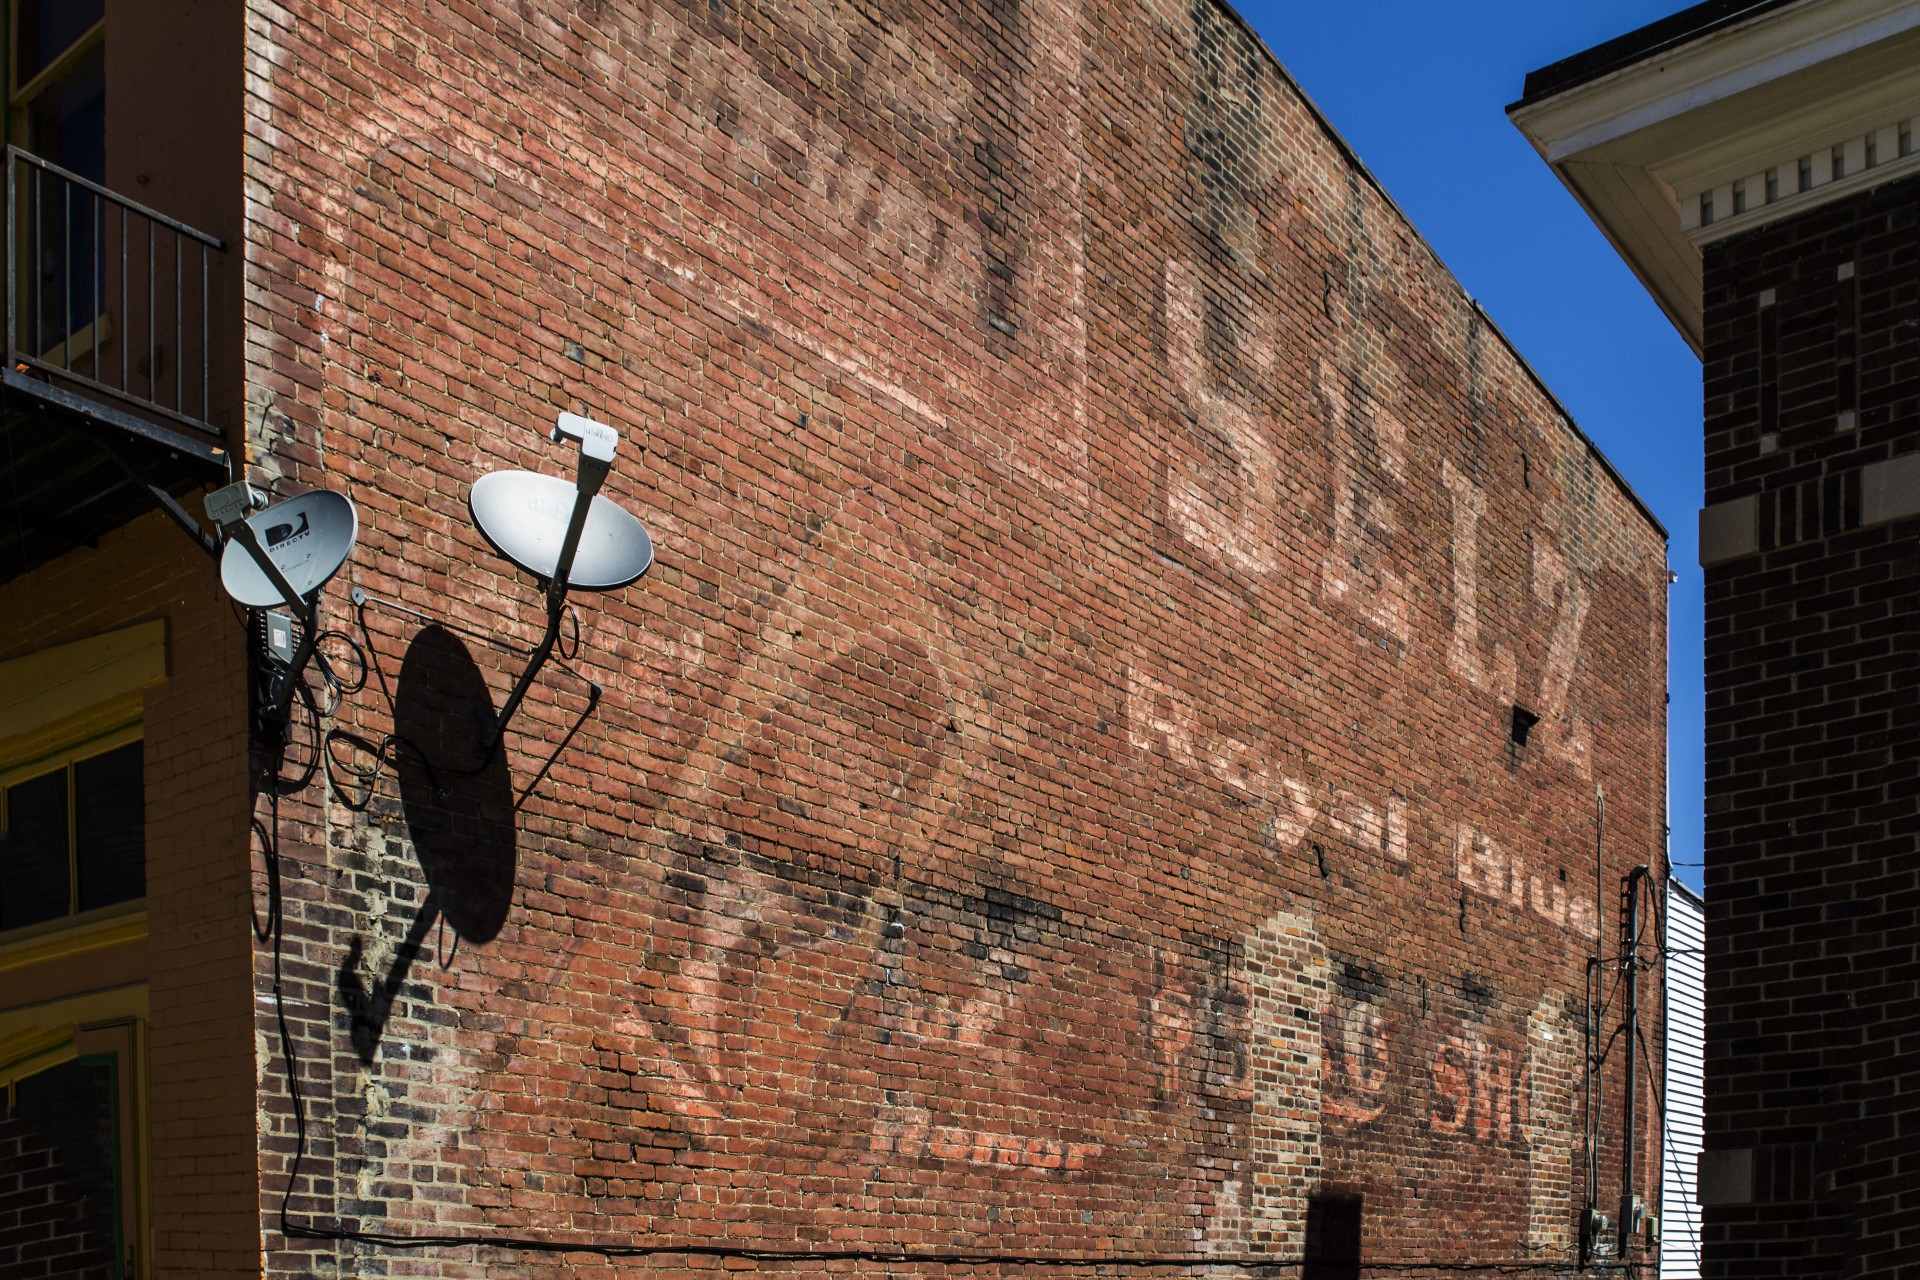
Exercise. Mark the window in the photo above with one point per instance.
(70, 1139)
(57, 95)
(74, 834)
(49, 31)
(73, 884)
(61, 84)
(61, 1125)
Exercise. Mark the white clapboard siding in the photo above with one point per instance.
(1686, 1054)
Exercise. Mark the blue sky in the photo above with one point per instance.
(1420, 91)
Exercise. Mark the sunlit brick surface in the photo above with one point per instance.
(1095, 533)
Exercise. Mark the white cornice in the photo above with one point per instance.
(1718, 66)
(1724, 122)
(1798, 181)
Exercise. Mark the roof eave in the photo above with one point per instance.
(1662, 151)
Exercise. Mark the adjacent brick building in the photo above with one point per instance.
(1106, 767)
(1756, 164)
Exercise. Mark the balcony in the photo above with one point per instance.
(109, 380)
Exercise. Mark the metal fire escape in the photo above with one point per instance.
(108, 400)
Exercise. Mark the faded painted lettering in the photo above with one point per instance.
(1568, 737)
(913, 1135)
(1486, 868)
(1357, 572)
(1492, 674)
(1354, 1085)
(1480, 1089)
(1162, 716)
(1235, 516)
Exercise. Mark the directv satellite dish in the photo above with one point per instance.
(306, 538)
(282, 556)
(563, 533)
(525, 515)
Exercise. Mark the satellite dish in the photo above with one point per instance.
(282, 556)
(562, 532)
(525, 515)
(307, 538)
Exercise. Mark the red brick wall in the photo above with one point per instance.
(1095, 534)
(1811, 796)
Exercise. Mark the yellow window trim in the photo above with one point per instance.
(108, 927)
(47, 1024)
(106, 1022)
(28, 1053)
(58, 706)
(71, 692)
(110, 725)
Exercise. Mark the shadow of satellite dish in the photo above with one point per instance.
(456, 792)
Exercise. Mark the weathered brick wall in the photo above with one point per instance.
(1811, 370)
(1055, 792)
(199, 1069)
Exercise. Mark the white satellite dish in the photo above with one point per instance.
(307, 539)
(525, 516)
(563, 532)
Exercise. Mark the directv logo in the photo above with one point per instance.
(279, 533)
(303, 541)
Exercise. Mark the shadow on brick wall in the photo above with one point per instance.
(458, 800)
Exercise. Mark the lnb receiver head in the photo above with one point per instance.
(597, 440)
(233, 504)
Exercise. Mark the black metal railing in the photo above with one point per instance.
(106, 294)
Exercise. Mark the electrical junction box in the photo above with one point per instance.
(280, 639)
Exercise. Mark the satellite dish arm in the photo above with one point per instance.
(556, 605)
(593, 473)
(597, 445)
(306, 607)
(229, 508)
(243, 534)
